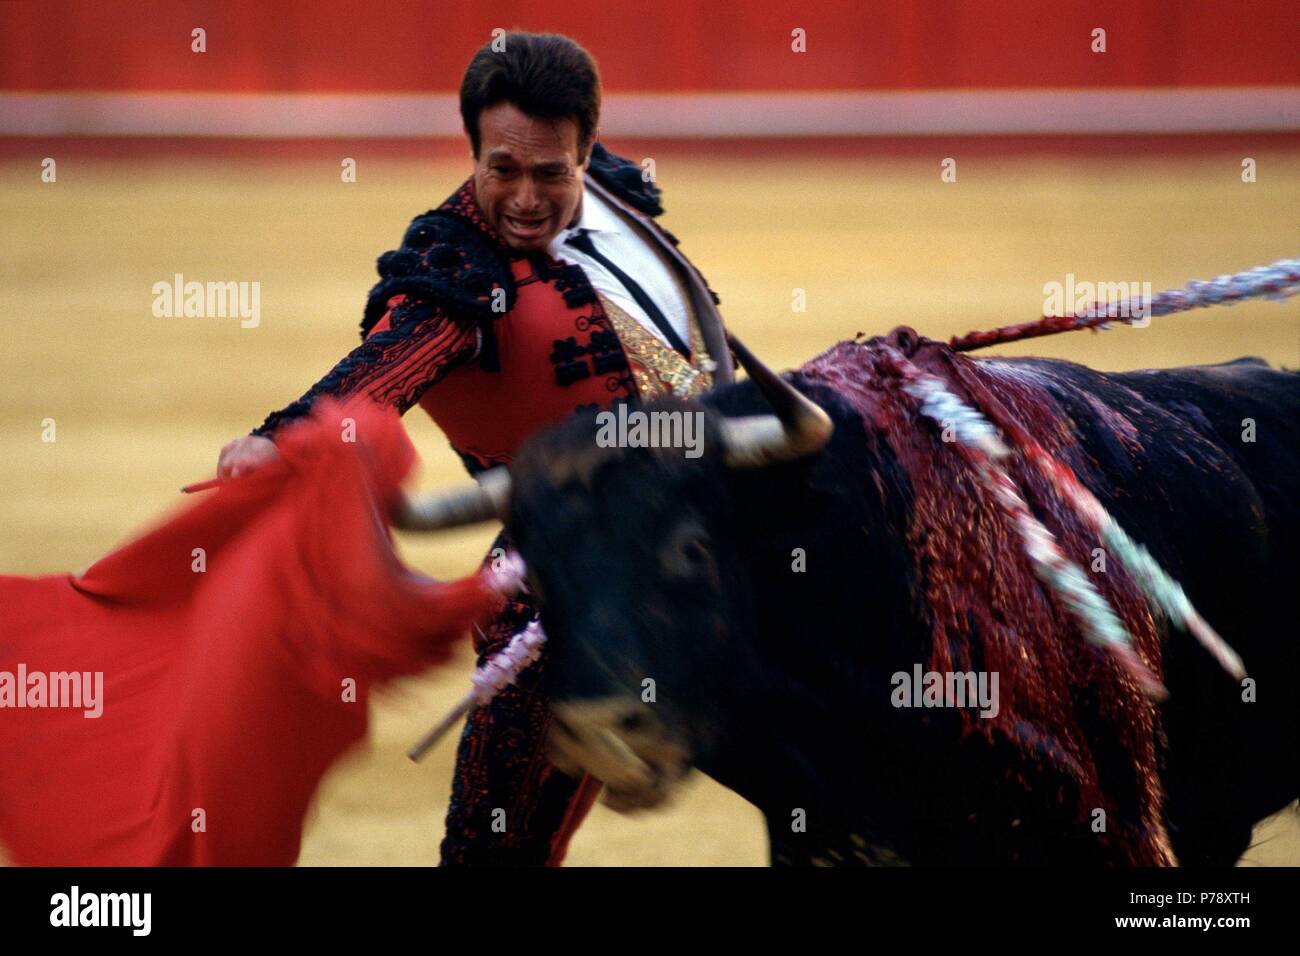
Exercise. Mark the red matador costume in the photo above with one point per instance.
(491, 377)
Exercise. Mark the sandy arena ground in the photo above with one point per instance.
(143, 404)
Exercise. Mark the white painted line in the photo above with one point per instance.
(656, 115)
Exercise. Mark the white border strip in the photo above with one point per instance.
(688, 115)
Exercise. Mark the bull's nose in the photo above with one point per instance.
(624, 714)
(616, 714)
(618, 740)
(589, 738)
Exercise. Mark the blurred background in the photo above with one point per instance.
(799, 146)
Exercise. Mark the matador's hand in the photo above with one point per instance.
(245, 454)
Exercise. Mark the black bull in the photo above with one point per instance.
(683, 630)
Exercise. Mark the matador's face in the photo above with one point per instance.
(528, 175)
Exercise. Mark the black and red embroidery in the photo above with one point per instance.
(395, 366)
(453, 270)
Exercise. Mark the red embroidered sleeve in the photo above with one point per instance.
(414, 346)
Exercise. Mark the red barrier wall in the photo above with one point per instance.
(385, 45)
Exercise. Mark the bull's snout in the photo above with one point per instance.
(622, 743)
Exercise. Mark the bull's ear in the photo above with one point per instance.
(799, 427)
(483, 500)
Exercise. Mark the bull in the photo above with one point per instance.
(748, 612)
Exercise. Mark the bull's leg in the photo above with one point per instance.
(854, 846)
(1216, 843)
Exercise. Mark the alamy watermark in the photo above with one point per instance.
(78, 690)
(946, 689)
(133, 911)
(1122, 300)
(654, 429)
(206, 300)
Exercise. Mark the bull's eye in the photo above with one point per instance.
(696, 551)
(689, 552)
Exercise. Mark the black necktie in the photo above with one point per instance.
(582, 242)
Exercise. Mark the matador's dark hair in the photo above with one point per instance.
(546, 75)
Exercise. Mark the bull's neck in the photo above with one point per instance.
(826, 571)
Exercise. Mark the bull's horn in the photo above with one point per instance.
(482, 500)
(799, 427)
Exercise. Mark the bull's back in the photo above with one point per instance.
(1208, 482)
(1196, 458)
(1252, 413)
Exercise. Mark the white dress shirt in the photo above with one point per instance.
(624, 246)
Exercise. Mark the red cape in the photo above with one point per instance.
(224, 690)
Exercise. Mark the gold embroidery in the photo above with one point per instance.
(657, 368)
